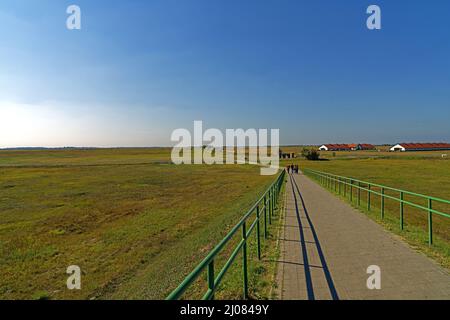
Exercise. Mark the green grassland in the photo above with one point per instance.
(137, 224)
(133, 222)
(426, 173)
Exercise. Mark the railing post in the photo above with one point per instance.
(345, 187)
(275, 196)
(382, 203)
(275, 204)
(359, 193)
(244, 260)
(401, 210)
(339, 184)
(368, 197)
(211, 277)
(273, 200)
(265, 217)
(430, 223)
(258, 233)
(278, 190)
(351, 190)
(270, 207)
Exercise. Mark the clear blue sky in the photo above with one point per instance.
(139, 69)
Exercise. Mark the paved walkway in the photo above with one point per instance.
(326, 247)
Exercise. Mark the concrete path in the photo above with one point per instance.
(327, 246)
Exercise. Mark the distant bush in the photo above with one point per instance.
(311, 154)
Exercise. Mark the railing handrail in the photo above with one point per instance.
(178, 292)
(333, 181)
(382, 186)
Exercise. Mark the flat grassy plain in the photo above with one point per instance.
(134, 223)
(426, 173)
(137, 224)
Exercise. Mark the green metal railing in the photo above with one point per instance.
(343, 185)
(267, 205)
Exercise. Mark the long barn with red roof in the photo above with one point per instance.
(421, 146)
(347, 147)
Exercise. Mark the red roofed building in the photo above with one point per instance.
(420, 146)
(366, 146)
(347, 147)
(335, 147)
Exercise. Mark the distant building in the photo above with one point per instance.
(420, 146)
(347, 147)
(335, 147)
(366, 146)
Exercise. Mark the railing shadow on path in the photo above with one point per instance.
(303, 242)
